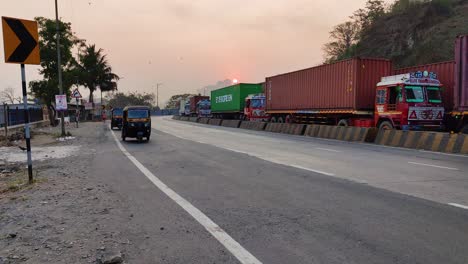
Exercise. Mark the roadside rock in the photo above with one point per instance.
(111, 258)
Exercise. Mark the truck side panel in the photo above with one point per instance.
(461, 74)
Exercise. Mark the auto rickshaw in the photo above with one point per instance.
(116, 118)
(136, 122)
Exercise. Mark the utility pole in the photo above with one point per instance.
(59, 64)
(157, 94)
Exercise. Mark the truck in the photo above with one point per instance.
(182, 107)
(453, 76)
(228, 102)
(204, 108)
(254, 109)
(193, 106)
(356, 92)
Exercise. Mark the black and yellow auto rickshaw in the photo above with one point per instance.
(116, 118)
(136, 122)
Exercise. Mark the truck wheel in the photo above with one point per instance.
(280, 119)
(289, 119)
(343, 122)
(385, 125)
(273, 119)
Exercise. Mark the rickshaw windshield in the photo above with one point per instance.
(117, 112)
(137, 113)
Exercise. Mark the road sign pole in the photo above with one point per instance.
(26, 123)
(77, 117)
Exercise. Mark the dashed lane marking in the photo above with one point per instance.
(430, 165)
(224, 238)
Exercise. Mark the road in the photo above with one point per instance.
(218, 195)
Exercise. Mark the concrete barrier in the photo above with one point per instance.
(184, 118)
(259, 126)
(360, 134)
(292, 129)
(193, 119)
(431, 141)
(231, 123)
(215, 122)
(176, 117)
(203, 120)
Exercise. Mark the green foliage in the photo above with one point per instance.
(175, 99)
(46, 89)
(344, 37)
(409, 32)
(94, 71)
(134, 98)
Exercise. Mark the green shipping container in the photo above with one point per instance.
(231, 99)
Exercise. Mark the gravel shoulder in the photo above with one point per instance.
(67, 215)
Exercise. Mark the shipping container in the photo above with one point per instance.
(231, 99)
(344, 85)
(461, 74)
(194, 101)
(445, 74)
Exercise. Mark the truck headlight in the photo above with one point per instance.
(147, 124)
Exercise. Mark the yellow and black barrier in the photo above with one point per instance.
(360, 134)
(259, 126)
(231, 123)
(215, 122)
(203, 120)
(431, 141)
(292, 129)
(193, 119)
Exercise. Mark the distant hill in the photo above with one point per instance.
(416, 32)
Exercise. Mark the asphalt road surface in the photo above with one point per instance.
(225, 195)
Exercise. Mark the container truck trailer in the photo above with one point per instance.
(228, 102)
(453, 76)
(356, 92)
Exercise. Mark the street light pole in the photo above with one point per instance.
(157, 94)
(59, 65)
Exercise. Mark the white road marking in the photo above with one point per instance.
(445, 154)
(224, 238)
(430, 165)
(331, 150)
(459, 205)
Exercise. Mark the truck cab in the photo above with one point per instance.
(254, 109)
(204, 108)
(409, 101)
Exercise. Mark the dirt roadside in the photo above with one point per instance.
(66, 216)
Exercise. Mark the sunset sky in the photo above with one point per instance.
(189, 44)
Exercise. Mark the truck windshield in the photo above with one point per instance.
(414, 94)
(137, 114)
(257, 103)
(433, 95)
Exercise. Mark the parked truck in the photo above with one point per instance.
(204, 108)
(356, 92)
(182, 107)
(453, 76)
(228, 102)
(192, 104)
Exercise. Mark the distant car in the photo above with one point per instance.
(116, 118)
(136, 122)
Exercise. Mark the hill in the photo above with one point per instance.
(413, 33)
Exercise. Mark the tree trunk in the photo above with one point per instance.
(51, 113)
(91, 99)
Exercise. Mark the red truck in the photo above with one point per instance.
(193, 104)
(454, 78)
(354, 93)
